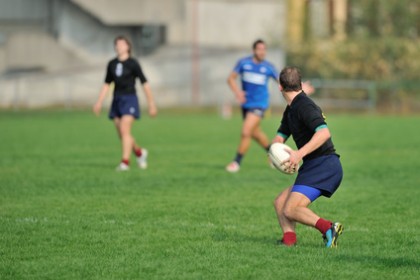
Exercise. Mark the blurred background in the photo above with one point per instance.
(360, 55)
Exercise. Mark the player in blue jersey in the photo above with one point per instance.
(321, 172)
(255, 73)
(123, 71)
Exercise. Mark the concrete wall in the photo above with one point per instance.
(235, 24)
(79, 45)
(86, 28)
(71, 38)
(2, 57)
(36, 49)
(134, 12)
(23, 10)
(169, 72)
(220, 23)
(84, 35)
(87, 37)
(44, 90)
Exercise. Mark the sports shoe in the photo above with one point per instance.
(142, 160)
(331, 236)
(233, 167)
(122, 167)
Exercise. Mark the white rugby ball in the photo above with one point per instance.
(278, 155)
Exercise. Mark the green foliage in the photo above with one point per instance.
(380, 59)
(384, 18)
(66, 214)
(382, 44)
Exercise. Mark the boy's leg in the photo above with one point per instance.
(262, 139)
(287, 225)
(126, 137)
(117, 126)
(251, 121)
(296, 209)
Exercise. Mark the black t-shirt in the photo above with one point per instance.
(124, 74)
(301, 119)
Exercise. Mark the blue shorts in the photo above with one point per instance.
(309, 192)
(256, 111)
(323, 173)
(127, 104)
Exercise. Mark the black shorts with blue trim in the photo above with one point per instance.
(127, 104)
(256, 111)
(324, 173)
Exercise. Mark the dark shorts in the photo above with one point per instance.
(256, 111)
(323, 173)
(125, 105)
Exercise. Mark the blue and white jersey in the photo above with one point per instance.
(255, 77)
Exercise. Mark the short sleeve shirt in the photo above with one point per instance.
(301, 119)
(254, 79)
(124, 74)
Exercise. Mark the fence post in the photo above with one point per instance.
(16, 94)
(68, 93)
(372, 93)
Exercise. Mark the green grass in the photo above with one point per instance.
(66, 214)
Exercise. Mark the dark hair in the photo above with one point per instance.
(255, 44)
(290, 79)
(123, 38)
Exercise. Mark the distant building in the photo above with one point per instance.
(53, 52)
(51, 34)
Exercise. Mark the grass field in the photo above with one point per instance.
(66, 214)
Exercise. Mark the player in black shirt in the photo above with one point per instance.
(321, 172)
(123, 71)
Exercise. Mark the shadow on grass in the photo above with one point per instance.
(221, 235)
(389, 262)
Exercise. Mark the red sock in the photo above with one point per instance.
(289, 238)
(137, 152)
(126, 161)
(323, 225)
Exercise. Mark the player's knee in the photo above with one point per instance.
(125, 130)
(125, 133)
(246, 134)
(288, 212)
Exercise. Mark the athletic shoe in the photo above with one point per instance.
(324, 238)
(233, 167)
(122, 167)
(142, 160)
(331, 236)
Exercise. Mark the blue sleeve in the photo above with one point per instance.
(238, 67)
(274, 73)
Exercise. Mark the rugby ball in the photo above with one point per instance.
(278, 154)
